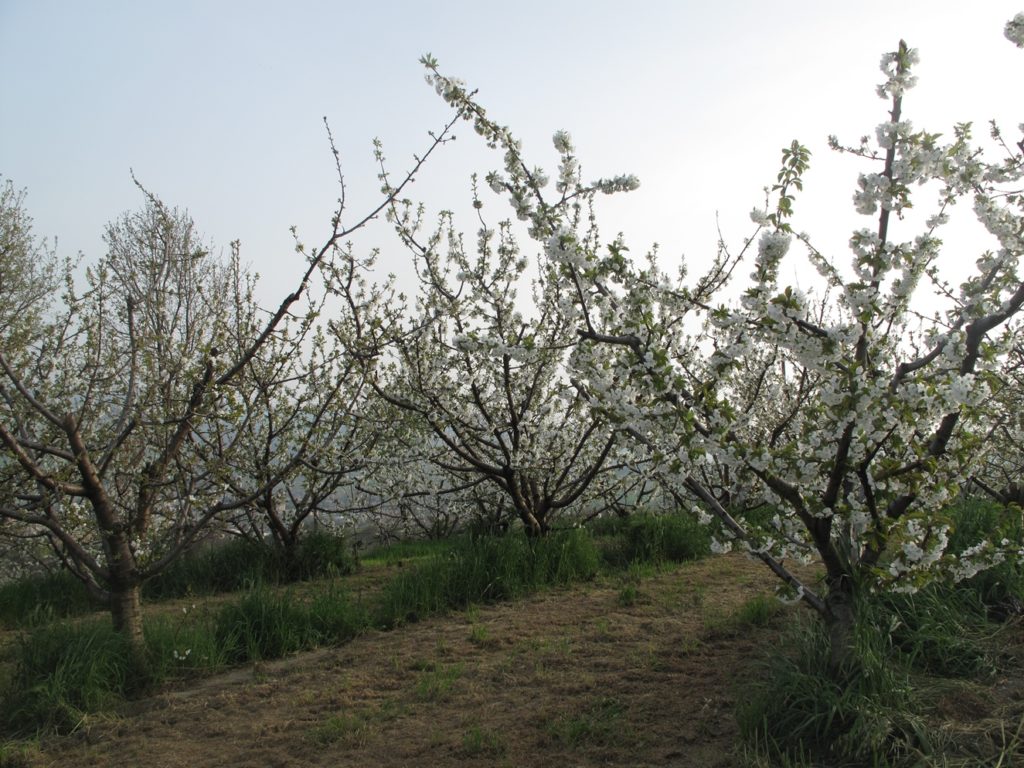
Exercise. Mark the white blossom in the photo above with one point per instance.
(563, 142)
(1014, 30)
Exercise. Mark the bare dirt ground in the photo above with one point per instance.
(602, 674)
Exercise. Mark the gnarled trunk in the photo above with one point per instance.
(535, 526)
(531, 505)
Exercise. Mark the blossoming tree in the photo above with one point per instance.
(868, 410)
(1000, 473)
(299, 435)
(487, 381)
(104, 417)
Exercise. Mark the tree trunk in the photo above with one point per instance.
(288, 547)
(536, 524)
(126, 596)
(840, 623)
(126, 611)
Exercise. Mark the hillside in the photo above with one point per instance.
(601, 674)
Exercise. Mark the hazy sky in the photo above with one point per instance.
(218, 106)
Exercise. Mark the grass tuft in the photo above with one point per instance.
(485, 570)
(483, 742)
(40, 599)
(598, 724)
(240, 564)
(435, 683)
(905, 645)
(799, 711)
(349, 730)
(64, 671)
(647, 538)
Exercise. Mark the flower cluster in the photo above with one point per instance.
(1014, 30)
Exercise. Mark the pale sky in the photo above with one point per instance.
(218, 106)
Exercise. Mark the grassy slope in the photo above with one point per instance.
(622, 671)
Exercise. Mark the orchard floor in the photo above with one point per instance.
(602, 674)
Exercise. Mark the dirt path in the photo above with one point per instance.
(597, 675)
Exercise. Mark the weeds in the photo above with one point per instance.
(399, 553)
(939, 629)
(241, 564)
(40, 599)
(229, 566)
(182, 645)
(262, 625)
(63, 672)
(800, 710)
(485, 570)
(350, 730)
(1001, 588)
(478, 636)
(483, 742)
(905, 646)
(436, 682)
(629, 595)
(598, 724)
(646, 538)
(18, 754)
(758, 611)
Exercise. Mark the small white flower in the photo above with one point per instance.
(759, 217)
(720, 547)
(563, 142)
(772, 246)
(791, 599)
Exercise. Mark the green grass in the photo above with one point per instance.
(42, 598)
(600, 723)
(483, 742)
(908, 647)
(647, 538)
(269, 625)
(61, 671)
(64, 671)
(229, 566)
(348, 729)
(320, 554)
(222, 567)
(798, 711)
(629, 595)
(940, 629)
(479, 636)
(239, 564)
(262, 625)
(905, 645)
(18, 754)
(1001, 588)
(436, 683)
(183, 645)
(485, 570)
(758, 611)
(402, 552)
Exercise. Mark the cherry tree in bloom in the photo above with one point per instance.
(487, 380)
(1000, 468)
(297, 433)
(97, 413)
(420, 499)
(864, 412)
(109, 406)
